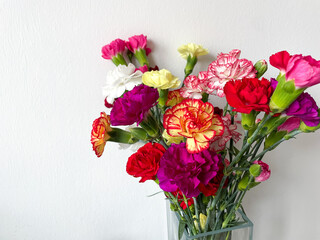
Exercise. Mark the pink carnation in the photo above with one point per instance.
(303, 69)
(265, 171)
(194, 86)
(138, 42)
(143, 69)
(228, 67)
(218, 143)
(113, 49)
(290, 124)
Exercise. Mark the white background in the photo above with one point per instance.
(51, 73)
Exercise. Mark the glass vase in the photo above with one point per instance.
(243, 230)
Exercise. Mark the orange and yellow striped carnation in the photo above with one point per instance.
(99, 133)
(194, 120)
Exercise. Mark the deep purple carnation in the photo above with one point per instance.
(182, 170)
(133, 106)
(305, 108)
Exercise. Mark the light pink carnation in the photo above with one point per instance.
(138, 42)
(218, 143)
(265, 171)
(228, 67)
(113, 49)
(194, 86)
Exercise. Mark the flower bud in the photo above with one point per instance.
(255, 170)
(261, 66)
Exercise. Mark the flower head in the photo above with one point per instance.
(192, 50)
(114, 48)
(306, 109)
(194, 120)
(304, 70)
(174, 98)
(145, 162)
(162, 79)
(119, 80)
(182, 170)
(133, 106)
(265, 171)
(99, 133)
(194, 86)
(249, 94)
(228, 67)
(138, 42)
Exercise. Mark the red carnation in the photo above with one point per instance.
(249, 94)
(145, 162)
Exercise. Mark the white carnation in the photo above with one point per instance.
(119, 80)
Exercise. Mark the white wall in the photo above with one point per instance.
(52, 185)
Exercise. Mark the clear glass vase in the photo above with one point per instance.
(243, 231)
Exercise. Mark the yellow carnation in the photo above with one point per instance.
(162, 79)
(170, 139)
(194, 50)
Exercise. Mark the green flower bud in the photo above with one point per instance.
(163, 96)
(274, 137)
(255, 170)
(261, 66)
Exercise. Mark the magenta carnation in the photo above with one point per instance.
(137, 42)
(113, 49)
(305, 108)
(133, 106)
(265, 171)
(182, 170)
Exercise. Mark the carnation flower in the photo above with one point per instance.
(138, 42)
(182, 170)
(174, 98)
(304, 70)
(99, 133)
(265, 171)
(119, 80)
(195, 86)
(228, 67)
(145, 162)
(133, 106)
(162, 79)
(306, 109)
(194, 120)
(249, 94)
(218, 143)
(143, 69)
(192, 50)
(114, 48)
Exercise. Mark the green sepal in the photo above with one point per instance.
(119, 60)
(141, 56)
(191, 62)
(150, 125)
(255, 170)
(284, 94)
(248, 120)
(304, 128)
(272, 124)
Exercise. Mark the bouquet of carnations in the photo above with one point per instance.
(188, 146)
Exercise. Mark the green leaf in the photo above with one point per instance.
(182, 226)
